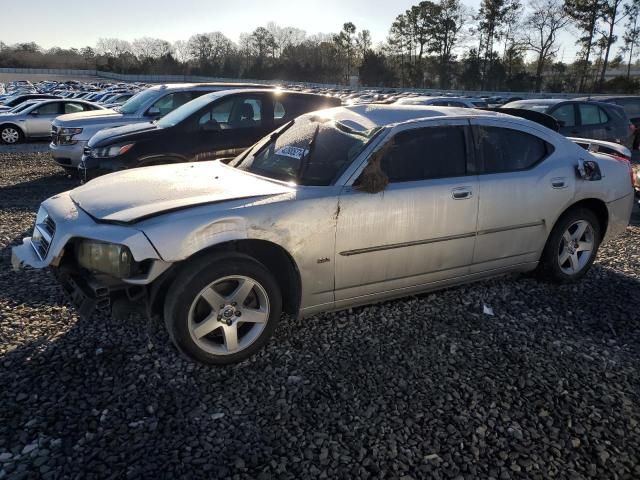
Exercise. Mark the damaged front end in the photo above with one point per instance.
(97, 264)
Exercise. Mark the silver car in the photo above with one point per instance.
(33, 118)
(337, 208)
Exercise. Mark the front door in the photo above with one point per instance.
(421, 228)
(39, 123)
(230, 125)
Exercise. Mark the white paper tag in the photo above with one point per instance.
(293, 152)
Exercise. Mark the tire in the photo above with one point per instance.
(204, 306)
(565, 258)
(11, 135)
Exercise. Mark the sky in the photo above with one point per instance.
(82, 23)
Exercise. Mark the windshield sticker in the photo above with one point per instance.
(293, 152)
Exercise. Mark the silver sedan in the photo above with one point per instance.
(33, 119)
(338, 208)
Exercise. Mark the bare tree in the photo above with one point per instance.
(181, 51)
(612, 15)
(546, 20)
(147, 47)
(631, 35)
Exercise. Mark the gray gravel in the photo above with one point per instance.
(425, 387)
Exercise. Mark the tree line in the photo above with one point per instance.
(443, 44)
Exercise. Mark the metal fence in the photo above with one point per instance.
(195, 78)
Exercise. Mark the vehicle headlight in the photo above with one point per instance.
(65, 135)
(109, 258)
(70, 131)
(111, 151)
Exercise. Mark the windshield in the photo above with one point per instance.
(186, 110)
(137, 101)
(311, 151)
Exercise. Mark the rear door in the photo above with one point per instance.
(421, 228)
(522, 188)
(595, 123)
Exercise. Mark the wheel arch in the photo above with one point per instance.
(15, 125)
(273, 256)
(595, 205)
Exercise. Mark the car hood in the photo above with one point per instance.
(110, 135)
(92, 117)
(132, 195)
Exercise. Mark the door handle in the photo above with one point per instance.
(559, 182)
(461, 193)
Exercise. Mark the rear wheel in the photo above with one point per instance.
(572, 246)
(223, 309)
(10, 134)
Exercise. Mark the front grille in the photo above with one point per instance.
(43, 236)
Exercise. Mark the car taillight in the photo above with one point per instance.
(628, 162)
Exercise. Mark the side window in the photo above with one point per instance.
(566, 115)
(507, 150)
(219, 113)
(170, 102)
(278, 110)
(73, 107)
(592, 114)
(49, 109)
(246, 113)
(456, 104)
(235, 112)
(425, 153)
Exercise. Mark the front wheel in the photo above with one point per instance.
(11, 135)
(222, 309)
(572, 246)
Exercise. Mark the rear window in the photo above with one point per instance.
(631, 106)
(507, 150)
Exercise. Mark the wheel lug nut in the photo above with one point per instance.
(233, 304)
(238, 314)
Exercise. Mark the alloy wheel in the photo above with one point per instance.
(228, 315)
(10, 135)
(576, 247)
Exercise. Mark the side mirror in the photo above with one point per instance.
(210, 126)
(562, 123)
(153, 112)
(589, 170)
(373, 179)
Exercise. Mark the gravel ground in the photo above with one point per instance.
(425, 387)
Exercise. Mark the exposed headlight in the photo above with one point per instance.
(65, 135)
(111, 151)
(109, 258)
(69, 131)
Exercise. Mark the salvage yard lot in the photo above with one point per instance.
(426, 386)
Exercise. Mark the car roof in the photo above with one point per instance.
(209, 86)
(542, 101)
(366, 117)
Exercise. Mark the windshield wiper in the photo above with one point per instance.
(352, 131)
(304, 162)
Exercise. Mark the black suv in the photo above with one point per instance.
(584, 118)
(214, 126)
(631, 105)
